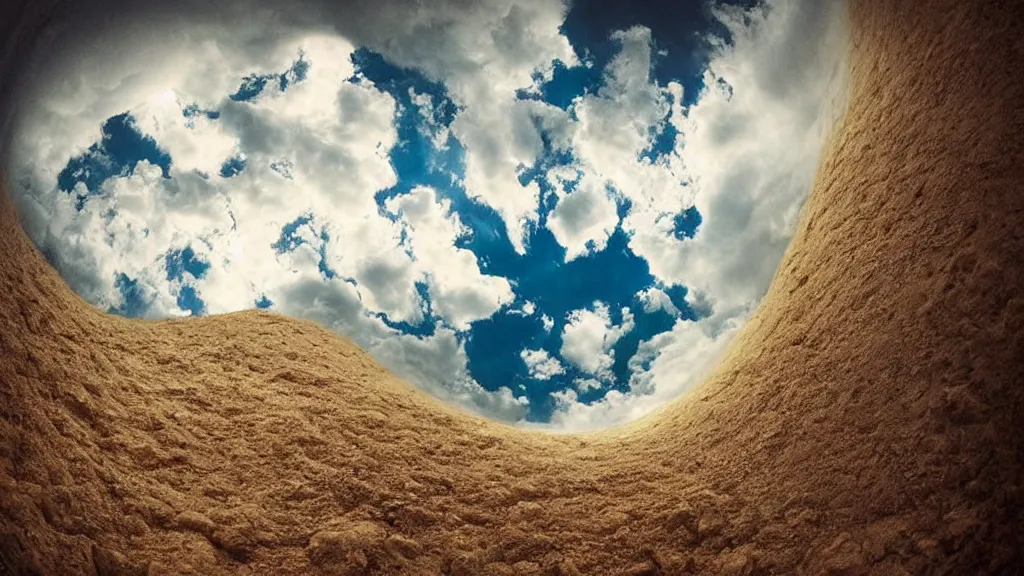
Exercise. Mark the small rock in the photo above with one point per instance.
(413, 486)
(466, 564)
(345, 549)
(525, 511)
(238, 544)
(135, 525)
(736, 563)
(685, 565)
(526, 568)
(711, 524)
(156, 511)
(526, 491)
(195, 522)
(684, 517)
(843, 556)
(568, 568)
(399, 545)
(928, 547)
(111, 563)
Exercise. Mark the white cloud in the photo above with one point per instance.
(747, 156)
(334, 136)
(498, 140)
(460, 293)
(655, 299)
(585, 385)
(588, 338)
(484, 52)
(430, 124)
(548, 322)
(527, 309)
(750, 153)
(616, 122)
(616, 126)
(541, 365)
(584, 218)
(678, 360)
(328, 135)
(333, 303)
(436, 363)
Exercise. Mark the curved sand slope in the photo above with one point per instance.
(867, 420)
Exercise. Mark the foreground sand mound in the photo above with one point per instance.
(867, 421)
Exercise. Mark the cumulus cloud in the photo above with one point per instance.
(584, 218)
(430, 124)
(484, 58)
(678, 359)
(310, 156)
(330, 139)
(588, 338)
(459, 291)
(585, 385)
(749, 150)
(654, 299)
(616, 126)
(541, 365)
(548, 322)
(436, 363)
(275, 193)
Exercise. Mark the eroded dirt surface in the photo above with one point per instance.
(867, 420)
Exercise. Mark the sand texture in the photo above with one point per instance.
(868, 419)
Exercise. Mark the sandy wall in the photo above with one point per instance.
(866, 421)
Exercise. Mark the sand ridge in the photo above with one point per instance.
(866, 421)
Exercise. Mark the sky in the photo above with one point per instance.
(555, 215)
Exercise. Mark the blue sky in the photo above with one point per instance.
(543, 241)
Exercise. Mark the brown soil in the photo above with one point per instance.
(866, 421)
